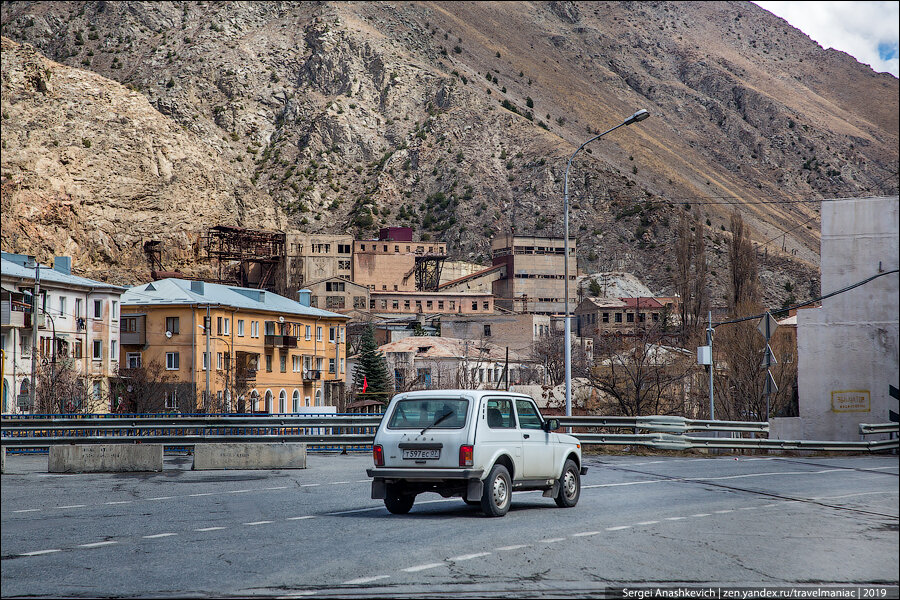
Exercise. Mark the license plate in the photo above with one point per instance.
(422, 454)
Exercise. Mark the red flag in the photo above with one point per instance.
(365, 384)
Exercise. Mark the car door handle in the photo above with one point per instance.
(526, 436)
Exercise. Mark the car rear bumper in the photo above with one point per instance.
(414, 474)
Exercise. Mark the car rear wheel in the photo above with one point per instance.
(397, 502)
(569, 485)
(497, 494)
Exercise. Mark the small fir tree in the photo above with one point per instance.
(371, 370)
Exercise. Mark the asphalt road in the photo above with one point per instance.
(670, 521)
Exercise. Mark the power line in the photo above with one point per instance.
(808, 302)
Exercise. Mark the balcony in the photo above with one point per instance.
(13, 314)
(281, 341)
(132, 330)
(312, 374)
(246, 374)
(246, 366)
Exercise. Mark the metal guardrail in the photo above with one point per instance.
(662, 432)
(870, 429)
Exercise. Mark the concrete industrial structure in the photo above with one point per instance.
(534, 280)
(267, 353)
(598, 317)
(519, 332)
(314, 257)
(78, 329)
(396, 263)
(462, 303)
(337, 294)
(848, 348)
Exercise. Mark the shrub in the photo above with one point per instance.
(86, 142)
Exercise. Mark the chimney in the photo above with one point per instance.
(197, 287)
(62, 264)
(303, 296)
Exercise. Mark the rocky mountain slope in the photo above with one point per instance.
(454, 118)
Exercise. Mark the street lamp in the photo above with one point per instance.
(638, 116)
(209, 361)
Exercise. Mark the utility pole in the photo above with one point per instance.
(712, 366)
(34, 330)
(207, 360)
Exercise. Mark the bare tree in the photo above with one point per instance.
(61, 389)
(549, 352)
(690, 274)
(142, 389)
(744, 286)
(638, 375)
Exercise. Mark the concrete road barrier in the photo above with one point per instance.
(105, 458)
(288, 455)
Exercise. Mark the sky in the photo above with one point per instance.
(867, 31)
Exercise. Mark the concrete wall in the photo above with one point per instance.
(105, 458)
(848, 349)
(289, 455)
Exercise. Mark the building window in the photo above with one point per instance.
(227, 326)
(485, 305)
(219, 361)
(282, 363)
(113, 350)
(406, 305)
(319, 362)
(306, 401)
(172, 325)
(62, 307)
(474, 305)
(318, 334)
(308, 333)
(77, 351)
(629, 317)
(218, 325)
(296, 401)
(98, 309)
(359, 302)
(655, 317)
(115, 310)
(343, 332)
(332, 334)
(268, 363)
(342, 366)
(98, 350)
(240, 324)
(453, 305)
(429, 304)
(618, 317)
(331, 365)
(487, 330)
(133, 360)
(79, 308)
(440, 305)
(642, 317)
(205, 357)
(254, 329)
(295, 364)
(606, 317)
(395, 304)
(282, 401)
(172, 362)
(384, 305)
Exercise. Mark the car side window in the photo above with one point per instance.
(500, 414)
(528, 415)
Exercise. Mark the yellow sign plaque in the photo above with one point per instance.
(851, 401)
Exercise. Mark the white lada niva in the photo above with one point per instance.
(476, 444)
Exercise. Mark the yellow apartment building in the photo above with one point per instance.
(230, 349)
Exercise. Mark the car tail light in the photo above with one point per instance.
(378, 455)
(465, 456)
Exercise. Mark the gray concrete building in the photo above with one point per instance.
(848, 348)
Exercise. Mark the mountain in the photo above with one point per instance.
(455, 118)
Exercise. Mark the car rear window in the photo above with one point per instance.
(418, 414)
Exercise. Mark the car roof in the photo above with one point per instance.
(476, 394)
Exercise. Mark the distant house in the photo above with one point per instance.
(598, 317)
(78, 328)
(337, 294)
(419, 362)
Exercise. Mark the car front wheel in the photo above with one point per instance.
(497, 494)
(569, 485)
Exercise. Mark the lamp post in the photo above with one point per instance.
(638, 116)
(209, 363)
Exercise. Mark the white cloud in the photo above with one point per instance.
(868, 31)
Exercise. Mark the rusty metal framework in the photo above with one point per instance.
(428, 272)
(258, 253)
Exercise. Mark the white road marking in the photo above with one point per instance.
(311, 484)
(516, 547)
(469, 556)
(338, 482)
(201, 494)
(619, 528)
(701, 515)
(259, 523)
(604, 485)
(749, 507)
(300, 518)
(675, 518)
(362, 481)
(120, 502)
(647, 523)
(161, 498)
(362, 580)
(585, 533)
(280, 487)
(239, 491)
(98, 544)
(158, 535)
(769, 505)
(722, 512)
(25, 510)
(357, 510)
(298, 595)
(209, 529)
(418, 568)
(39, 552)
(73, 506)
(553, 540)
